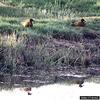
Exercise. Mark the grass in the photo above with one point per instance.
(51, 45)
(32, 53)
(43, 26)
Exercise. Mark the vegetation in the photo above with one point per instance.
(39, 55)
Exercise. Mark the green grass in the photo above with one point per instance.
(71, 8)
(11, 16)
(46, 26)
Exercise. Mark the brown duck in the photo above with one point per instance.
(80, 23)
(27, 23)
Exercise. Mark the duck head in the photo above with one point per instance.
(82, 20)
(31, 20)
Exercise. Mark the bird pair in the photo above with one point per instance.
(80, 23)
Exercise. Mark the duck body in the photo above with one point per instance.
(27, 23)
(80, 23)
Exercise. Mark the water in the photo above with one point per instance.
(53, 92)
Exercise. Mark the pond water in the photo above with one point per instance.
(53, 92)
